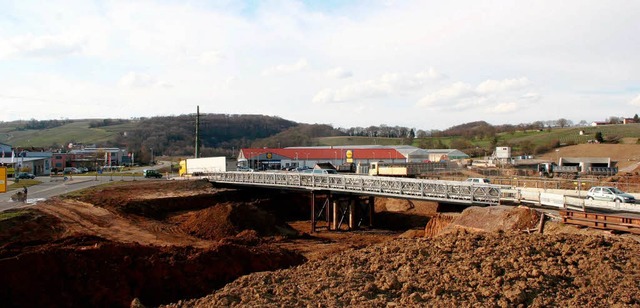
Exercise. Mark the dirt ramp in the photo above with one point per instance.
(229, 219)
(485, 219)
(93, 272)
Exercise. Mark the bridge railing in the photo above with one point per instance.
(434, 190)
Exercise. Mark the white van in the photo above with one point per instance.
(479, 180)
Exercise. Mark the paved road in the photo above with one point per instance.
(53, 187)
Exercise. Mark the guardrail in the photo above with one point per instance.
(432, 190)
(563, 201)
(600, 221)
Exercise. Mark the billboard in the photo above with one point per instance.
(3, 179)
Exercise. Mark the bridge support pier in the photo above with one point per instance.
(340, 212)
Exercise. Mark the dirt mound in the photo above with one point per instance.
(90, 271)
(426, 208)
(27, 225)
(454, 270)
(229, 219)
(494, 219)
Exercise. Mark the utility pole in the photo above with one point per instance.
(197, 132)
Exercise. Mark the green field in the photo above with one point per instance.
(515, 139)
(76, 132)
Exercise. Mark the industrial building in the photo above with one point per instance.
(296, 157)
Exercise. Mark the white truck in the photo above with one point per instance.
(202, 166)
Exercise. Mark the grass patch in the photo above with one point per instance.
(23, 183)
(12, 214)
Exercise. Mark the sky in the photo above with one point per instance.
(420, 64)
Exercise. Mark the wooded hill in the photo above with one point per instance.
(223, 134)
(220, 134)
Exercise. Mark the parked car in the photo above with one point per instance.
(150, 173)
(25, 175)
(69, 170)
(606, 193)
(244, 169)
(479, 180)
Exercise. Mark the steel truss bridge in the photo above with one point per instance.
(407, 188)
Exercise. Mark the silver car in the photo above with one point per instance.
(612, 194)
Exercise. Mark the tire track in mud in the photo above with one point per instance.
(84, 218)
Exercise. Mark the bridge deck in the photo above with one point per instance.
(420, 189)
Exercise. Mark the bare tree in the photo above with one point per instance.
(562, 122)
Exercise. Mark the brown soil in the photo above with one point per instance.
(175, 241)
(455, 270)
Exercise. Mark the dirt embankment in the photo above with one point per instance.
(90, 271)
(166, 241)
(117, 243)
(455, 270)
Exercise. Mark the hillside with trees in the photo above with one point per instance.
(223, 134)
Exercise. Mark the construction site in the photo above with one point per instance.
(189, 244)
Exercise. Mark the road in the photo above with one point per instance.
(53, 187)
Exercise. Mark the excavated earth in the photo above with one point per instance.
(187, 244)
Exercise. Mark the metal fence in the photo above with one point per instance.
(421, 189)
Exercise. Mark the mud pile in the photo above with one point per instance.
(494, 219)
(90, 271)
(229, 219)
(455, 269)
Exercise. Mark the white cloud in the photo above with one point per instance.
(531, 97)
(501, 86)
(503, 108)
(211, 57)
(489, 95)
(339, 73)
(364, 54)
(141, 80)
(387, 85)
(284, 69)
(45, 46)
(449, 96)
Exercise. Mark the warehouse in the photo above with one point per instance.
(300, 157)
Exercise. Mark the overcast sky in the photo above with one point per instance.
(421, 64)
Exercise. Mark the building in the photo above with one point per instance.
(5, 150)
(295, 157)
(92, 157)
(38, 163)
